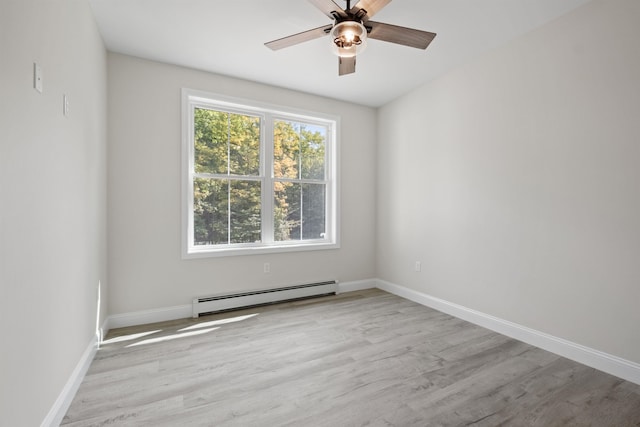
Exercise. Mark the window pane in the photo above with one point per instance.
(312, 148)
(245, 212)
(286, 150)
(286, 211)
(226, 142)
(299, 211)
(313, 211)
(244, 144)
(299, 150)
(210, 129)
(210, 211)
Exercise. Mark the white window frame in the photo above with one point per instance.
(192, 99)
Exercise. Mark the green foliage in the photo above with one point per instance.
(226, 143)
(299, 152)
(210, 211)
(227, 205)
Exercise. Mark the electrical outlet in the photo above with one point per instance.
(418, 266)
(267, 267)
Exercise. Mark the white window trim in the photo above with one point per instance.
(191, 98)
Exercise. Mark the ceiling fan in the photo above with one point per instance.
(350, 30)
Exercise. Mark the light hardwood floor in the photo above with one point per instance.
(360, 358)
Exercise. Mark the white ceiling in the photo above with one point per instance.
(227, 37)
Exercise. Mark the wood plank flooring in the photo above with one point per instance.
(357, 359)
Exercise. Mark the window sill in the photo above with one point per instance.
(209, 252)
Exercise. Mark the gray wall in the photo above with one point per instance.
(52, 200)
(515, 181)
(145, 266)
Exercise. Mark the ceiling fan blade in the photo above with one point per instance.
(371, 7)
(400, 35)
(328, 7)
(346, 65)
(299, 38)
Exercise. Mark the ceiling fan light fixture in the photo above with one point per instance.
(348, 38)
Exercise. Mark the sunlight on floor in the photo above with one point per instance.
(130, 337)
(172, 337)
(196, 329)
(219, 322)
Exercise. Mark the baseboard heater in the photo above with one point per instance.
(227, 302)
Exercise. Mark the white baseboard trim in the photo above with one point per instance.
(608, 363)
(150, 316)
(356, 285)
(62, 403)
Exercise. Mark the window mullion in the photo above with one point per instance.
(266, 160)
(229, 211)
(188, 154)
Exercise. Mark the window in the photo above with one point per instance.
(257, 178)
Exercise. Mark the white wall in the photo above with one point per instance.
(145, 266)
(52, 200)
(515, 180)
